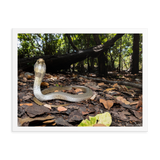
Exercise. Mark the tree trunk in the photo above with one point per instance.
(119, 69)
(135, 56)
(60, 62)
(101, 59)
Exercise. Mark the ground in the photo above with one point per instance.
(124, 103)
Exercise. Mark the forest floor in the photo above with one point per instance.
(124, 103)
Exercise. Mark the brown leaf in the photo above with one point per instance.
(115, 85)
(135, 102)
(93, 96)
(61, 109)
(78, 90)
(26, 104)
(101, 84)
(109, 96)
(49, 121)
(139, 102)
(107, 103)
(48, 106)
(27, 97)
(29, 77)
(123, 100)
(99, 125)
(137, 114)
(45, 84)
(109, 89)
(28, 119)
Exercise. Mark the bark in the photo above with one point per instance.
(101, 57)
(64, 61)
(135, 56)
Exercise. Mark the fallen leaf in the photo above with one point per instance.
(49, 121)
(45, 84)
(137, 114)
(140, 110)
(139, 102)
(99, 125)
(107, 103)
(123, 100)
(103, 119)
(114, 93)
(93, 96)
(109, 89)
(122, 116)
(135, 102)
(116, 85)
(109, 96)
(61, 109)
(25, 79)
(101, 84)
(124, 88)
(21, 84)
(78, 90)
(28, 119)
(27, 97)
(29, 77)
(54, 124)
(48, 106)
(26, 104)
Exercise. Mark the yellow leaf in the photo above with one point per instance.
(109, 89)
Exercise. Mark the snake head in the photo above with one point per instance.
(40, 66)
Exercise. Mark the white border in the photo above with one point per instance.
(78, 30)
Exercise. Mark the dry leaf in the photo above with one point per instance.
(99, 125)
(109, 96)
(26, 104)
(61, 109)
(109, 89)
(28, 119)
(139, 102)
(27, 97)
(115, 85)
(29, 77)
(25, 79)
(93, 96)
(49, 121)
(78, 90)
(101, 84)
(135, 102)
(48, 106)
(21, 84)
(123, 100)
(45, 84)
(107, 103)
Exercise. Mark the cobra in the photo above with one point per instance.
(47, 94)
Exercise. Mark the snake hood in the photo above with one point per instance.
(40, 70)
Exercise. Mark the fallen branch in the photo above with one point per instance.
(113, 82)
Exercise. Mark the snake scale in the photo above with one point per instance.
(49, 94)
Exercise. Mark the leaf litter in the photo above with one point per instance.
(123, 103)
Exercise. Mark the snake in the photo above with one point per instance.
(49, 94)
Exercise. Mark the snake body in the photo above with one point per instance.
(47, 94)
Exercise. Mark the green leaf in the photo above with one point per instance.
(104, 118)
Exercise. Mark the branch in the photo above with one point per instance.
(71, 42)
